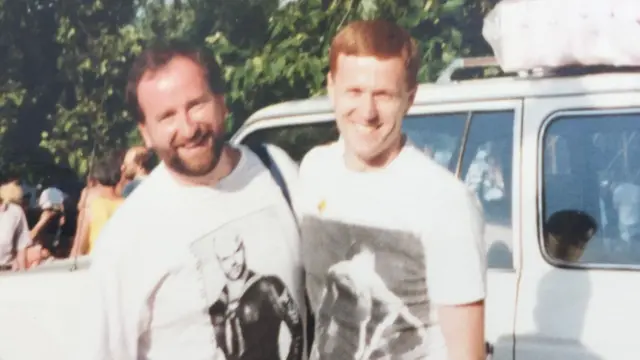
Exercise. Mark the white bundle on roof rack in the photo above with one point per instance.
(533, 34)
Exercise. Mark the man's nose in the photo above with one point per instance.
(367, 108)
(186, 126)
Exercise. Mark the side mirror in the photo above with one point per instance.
(567, 233)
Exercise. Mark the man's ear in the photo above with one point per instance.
(412, 97)
(144, 132)
(330, 86)
(220, 100)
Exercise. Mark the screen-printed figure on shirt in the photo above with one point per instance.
(252, 310)
(372, 280)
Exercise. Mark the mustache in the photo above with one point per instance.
(199, 136)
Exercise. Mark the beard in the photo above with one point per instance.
(200, 164)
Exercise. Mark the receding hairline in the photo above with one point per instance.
(151, 73)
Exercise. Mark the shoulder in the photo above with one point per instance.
(135, 219)
(431, 174)
(287, 167)
(128, 239)
(15, 211)
(88, 195)
(284, 162)
(436, 186)
(319, 157)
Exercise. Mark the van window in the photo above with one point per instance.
(439, 135)
(486, 168)
(591, 189)
(487, 165)
(486, 162)
(296, 140)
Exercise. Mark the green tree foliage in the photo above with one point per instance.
(64, 71)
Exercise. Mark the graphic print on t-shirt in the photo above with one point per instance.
(370, 291)
(252, 309)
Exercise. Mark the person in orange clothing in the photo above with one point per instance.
(104, 202)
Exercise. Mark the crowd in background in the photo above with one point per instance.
(60, 227)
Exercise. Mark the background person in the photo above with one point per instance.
(14, 236)
(47, 233)
(138, 163)
(103, 203)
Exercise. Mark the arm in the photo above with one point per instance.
(82, 233)
(456, 274)
(44, 219)
(22, 241)
(286, 307)
(463, 330)
(83, 198)
(82, 207)
(119, 311)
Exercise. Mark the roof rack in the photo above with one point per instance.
(563, 71)
(465, 63)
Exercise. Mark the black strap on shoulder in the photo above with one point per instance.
(267, 160)
(265, 157)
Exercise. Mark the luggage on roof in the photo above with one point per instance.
(543, 34)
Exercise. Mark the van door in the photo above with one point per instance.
(486, 157)
(577, 297)
(479, 141)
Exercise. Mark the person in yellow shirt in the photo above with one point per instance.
(103, 204)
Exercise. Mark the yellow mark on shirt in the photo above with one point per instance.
(321, 205)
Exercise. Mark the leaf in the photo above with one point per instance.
(278, 65)
(368, 9)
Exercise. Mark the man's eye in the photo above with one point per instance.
(384, 96)
(165, 118)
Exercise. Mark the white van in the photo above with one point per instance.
(549, 156)
(555, 160)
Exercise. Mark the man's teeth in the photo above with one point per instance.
(365, 127)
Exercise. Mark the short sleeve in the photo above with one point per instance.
(22, 236)
(455, 251)
(119, 309)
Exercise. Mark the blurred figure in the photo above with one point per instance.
(11, 192)
(86, 196)
(14, 232)
(137, 164)
(46, 233)
(102, 200)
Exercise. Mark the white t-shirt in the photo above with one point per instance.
(164, 264)
(14, 232)
(381, 248)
